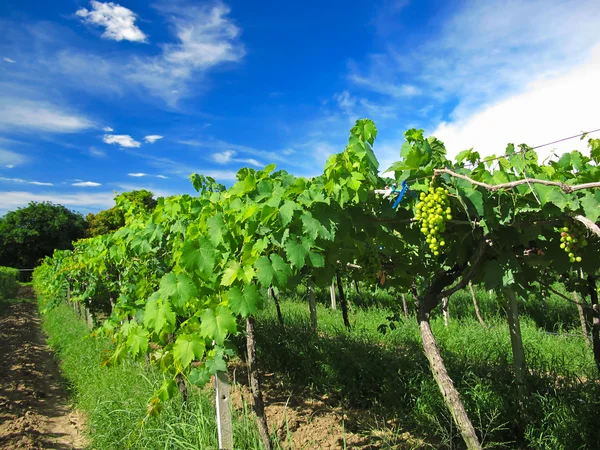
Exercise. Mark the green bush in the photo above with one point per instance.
(9, 284)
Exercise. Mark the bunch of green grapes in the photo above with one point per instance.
(433, 210)
(572, 238)
(370, 264)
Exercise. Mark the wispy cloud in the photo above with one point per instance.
(138, 175)
(100, 200)
(376, 84)
(20, 180)
(227, 157)
(97, 153)
(108, 129)
(86, 184)
(206, 38)
(118, 21)
(162, 177)
(123, 140)
(152, 138)
(10, 159)
(548, 110)
(18, 114)
(8, 60)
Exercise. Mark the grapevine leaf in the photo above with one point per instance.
(199, 376)
(216, 228)
(216, 324)
(264, 271)
(286, 212)
(296, 252)
(187, 348)
(590, 205)
(230, 273)
(137, 340)
(282, 270)
(316, 259)
(198, 255)
(216, 363)
(245, 303)
(164, 316)
(180, 288)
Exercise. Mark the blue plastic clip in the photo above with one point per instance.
(401, 195)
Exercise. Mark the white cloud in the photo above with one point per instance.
(11, 159)
(20, 180)
(20, 114)
(378, 85)
(108, 129)
(118, 21)
(548, 110)
(152, 138)
(97, 153)
(206, 38)
(162, 176)
(8, 60)
(223, 157)
(123, 140)
(86, 184)
(228, 157)
(137, 175)
(10, 200)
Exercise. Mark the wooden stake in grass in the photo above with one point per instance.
(332, 295)
(259, 405)
(476, 304)
(224, 425)
(582, 319)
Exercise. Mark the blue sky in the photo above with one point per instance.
(100, 97)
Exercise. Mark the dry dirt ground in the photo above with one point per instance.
(34, 407)
(305, 422)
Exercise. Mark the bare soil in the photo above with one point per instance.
(307, 422)
(34, 407)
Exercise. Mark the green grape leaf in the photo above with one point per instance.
(230, 273)
(245, 303)
(137, 340)
(282, 270)
(187, 348)
(198, 255)
(264, 271)
(164, 316)
(216, 324)
(296, 252)
(199, 376)
(216, 363)
(180, 288)
(590, 203)
(286, 212)
(216, 228)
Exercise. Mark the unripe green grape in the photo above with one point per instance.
(578, 259)
(562, 245)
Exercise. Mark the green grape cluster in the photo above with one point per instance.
(370, 264)
(572, 238)
(433, 211)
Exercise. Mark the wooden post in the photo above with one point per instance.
(445, 311)
(343, 302)
(224, 425)
(476, 304)
(259, 404)
(584, 330)
(277, 305)
(312, 304)
(332, 294)
(516, 339)
(405, 306)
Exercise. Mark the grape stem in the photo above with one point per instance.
(588, 224)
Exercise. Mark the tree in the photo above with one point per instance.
(112, 219)
(31, 233)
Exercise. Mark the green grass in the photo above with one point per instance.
(114, 399)
(388, 373)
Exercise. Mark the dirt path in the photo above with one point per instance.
(34, 410)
